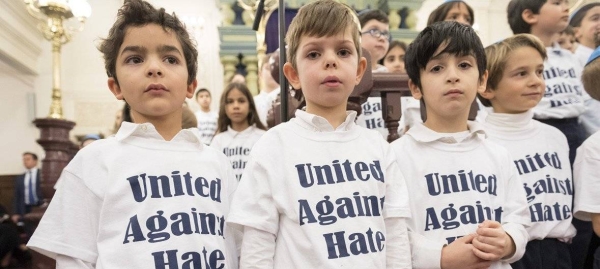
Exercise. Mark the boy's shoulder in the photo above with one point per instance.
(591, 146)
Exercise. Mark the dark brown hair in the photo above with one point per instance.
(440, 13)
(138, 13)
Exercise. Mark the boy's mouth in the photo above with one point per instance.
(453, 92)
(156, 87)
(331, 81)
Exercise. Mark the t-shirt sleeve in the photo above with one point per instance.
(66, 262)
(586, 175)
(253, 204)
(396, 198)
(69, 226)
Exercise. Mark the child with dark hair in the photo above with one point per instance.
(238, 126)
(207, 119)
(375, 38)
(152, 196)
(587, 163)
(320, 191)
(567, 40)
(586, 26)
(453, 10)
(467, 200)
(540, 152)
(394, 58)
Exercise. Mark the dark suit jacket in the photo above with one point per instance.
(19, 199)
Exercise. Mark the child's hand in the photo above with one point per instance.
(461, 254)
(492, 243)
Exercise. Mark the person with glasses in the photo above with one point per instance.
(375, 36)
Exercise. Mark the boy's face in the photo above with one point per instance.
(268, 80)
(589, 30)
(203, 99)
(522, 84)
(553, 16)
(327, 70)
(152, 73)
(449, 84)
(377, 46)
(566, 41)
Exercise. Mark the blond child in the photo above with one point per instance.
(540, 152)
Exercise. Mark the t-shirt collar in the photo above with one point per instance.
(423, 134)
(147, 130)
(320, 124)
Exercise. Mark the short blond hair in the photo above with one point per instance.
(591, 79)
(310, 22)
(497, 55)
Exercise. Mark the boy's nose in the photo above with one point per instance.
(452, 75)
(154, 69)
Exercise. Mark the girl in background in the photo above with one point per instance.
(453, 10)
(238, 126)
(394, 58)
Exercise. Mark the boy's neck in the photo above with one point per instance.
(335, 116)
(447, 125)
(205, 109)
(547, 38)
(167, 126)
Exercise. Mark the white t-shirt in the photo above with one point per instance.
(564, 92)
(237, 146)
(586, 173)
(321, 192)
(137, 201)
(541, 155)
(583, 54)
(207, 125)
(455, 185)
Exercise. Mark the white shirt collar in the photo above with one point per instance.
(147, 130)
(320, 124)
(510, 121)
(423, 134)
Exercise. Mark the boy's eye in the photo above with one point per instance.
(171, 60)
(464, 65)
(344, 53)
(134, 60)
(436, 68)
(539, 72)
(312, 55)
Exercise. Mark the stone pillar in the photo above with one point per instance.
(54, 138)
(229, 62)
(251, 62)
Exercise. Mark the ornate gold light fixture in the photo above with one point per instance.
(52, 14)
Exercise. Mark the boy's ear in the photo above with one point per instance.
(114, 88)
(414, 90)
(360, 72)
(292, 75)
(483, 82)
(190, 89)
(529, 17)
